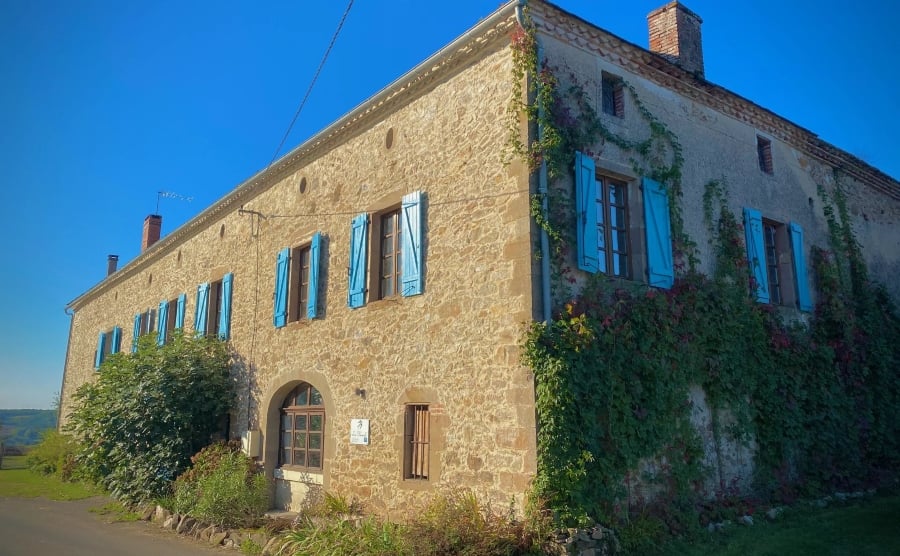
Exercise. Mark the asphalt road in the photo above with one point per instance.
(39, 527)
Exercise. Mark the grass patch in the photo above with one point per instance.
(14, 462)
(864, 527)
(115, 511)
(18, 482)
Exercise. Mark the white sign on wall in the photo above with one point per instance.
(359, 431)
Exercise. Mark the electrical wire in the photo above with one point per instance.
(312, 83)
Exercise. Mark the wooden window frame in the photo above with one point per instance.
(309, 410)
(148, 321)
(390, 266)
(213, 308)
(298, 289)
(612, 95)
(779, 263)
(607, 254)
(416, 442)
(764, 155)
(171, 316)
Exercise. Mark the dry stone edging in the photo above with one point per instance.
(213, 534)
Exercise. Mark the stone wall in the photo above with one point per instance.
(716, 145)
(455, 347)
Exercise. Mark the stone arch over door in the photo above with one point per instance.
(292, 483)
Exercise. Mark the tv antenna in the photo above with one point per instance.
(170, 195)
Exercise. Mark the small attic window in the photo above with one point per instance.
(613, 95)
(764, 153)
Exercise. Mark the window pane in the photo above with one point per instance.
(315, 398)
(286, 457)
(315, 422)
(285, 422)
(315, 459)
(285, 440)
(299, 457)
(300, 423)
(299, 440)
(620, 265)
(601, 237)
(315, 441)
(616, 195)
(301, 396)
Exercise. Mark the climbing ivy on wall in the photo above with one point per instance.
(614, 368)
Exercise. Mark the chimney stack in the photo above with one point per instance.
(152, 228)
(675, 34)
(112, 261)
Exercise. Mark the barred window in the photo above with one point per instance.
(416, 442)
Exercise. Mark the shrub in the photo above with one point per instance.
(223, 487)
(54, 455)
(456, 523)
(339, 537)
(149, 411)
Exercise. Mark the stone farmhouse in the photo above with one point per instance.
(377, 279)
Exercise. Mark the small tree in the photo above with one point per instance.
(148, 412)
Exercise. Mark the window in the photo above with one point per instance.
(773, 256)
(297, 283)
(611, 205)
(416, 442)
(391, 255)
(776, 258)
(612, 91)
(108, 343)
(609, 226)
(213, 315)
(171, 316)
(764, 154)
(302, 428)
(143, 324)
(397, 253)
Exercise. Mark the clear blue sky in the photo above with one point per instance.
(103, 103)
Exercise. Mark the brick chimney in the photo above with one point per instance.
(112, 261)
(675, 33)
(152, 228)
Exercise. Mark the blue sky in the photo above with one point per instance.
(104, 103)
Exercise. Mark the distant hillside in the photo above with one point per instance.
(23, 427)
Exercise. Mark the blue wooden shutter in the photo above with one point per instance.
(136, 333)
(411, 249)
(282, 267)
(179, 311)
(116, 340)
(800, 279)
(586, 213)
(660, 270)
(312, 299)
(225, 308)
(98, 357)
(756, 254)
(202, 306)
(162, 322)
(356, 295)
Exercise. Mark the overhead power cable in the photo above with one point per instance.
(312, 83)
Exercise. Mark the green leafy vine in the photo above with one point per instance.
(617, 370)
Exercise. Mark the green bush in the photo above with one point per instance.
(54, 455)
(456, 523)
(339, 537)
(149, 411)
(223, 487)
(452, 524)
